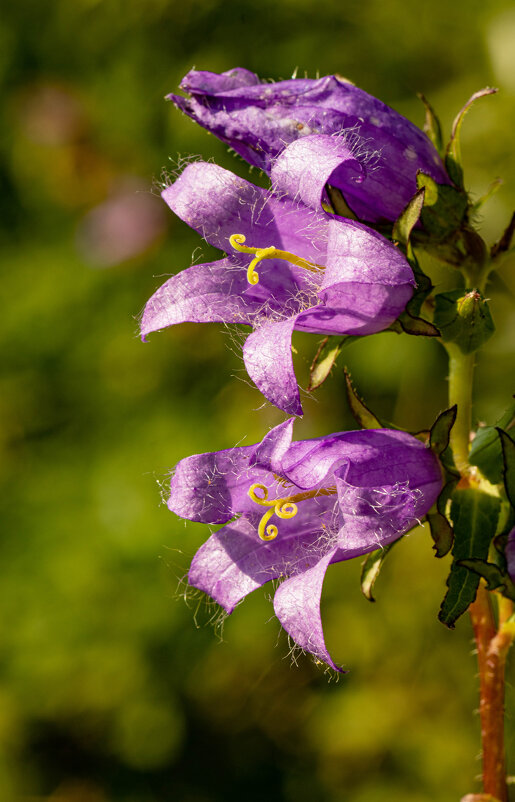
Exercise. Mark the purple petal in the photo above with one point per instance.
(355, 309)
(356, 253)
(213, 487)
(304, 168)
(268, 359)
(297, 606)
(259, 120)
(217, 204)
(212, 292)
(235, 561)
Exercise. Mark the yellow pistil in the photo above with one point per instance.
(271, 252)
(282, 507)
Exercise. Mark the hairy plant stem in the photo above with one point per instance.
(492, 642)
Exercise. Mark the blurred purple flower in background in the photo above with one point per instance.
(333, 498)
(289, 265)
(259, 120)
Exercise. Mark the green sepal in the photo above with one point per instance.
(371, 568)
(410, 324)
(432, 125)
(441, 532)
(408, 218)
(325, 359)
(508, 454)
(474, 515)
(495, 577)
(440, 433)
(504, 244)
(338, 203)
(464, 318)
(361, 413)
(490, 192)
(445, 207)
(486, 450)
(453, 163)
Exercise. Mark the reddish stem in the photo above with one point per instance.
(492, 647)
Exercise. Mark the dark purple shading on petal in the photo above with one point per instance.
(297, 606)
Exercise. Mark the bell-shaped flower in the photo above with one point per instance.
(259, 120)
(291, 509)
(289, 265)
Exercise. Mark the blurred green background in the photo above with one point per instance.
(112, 688)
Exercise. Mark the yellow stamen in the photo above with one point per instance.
(271, 252)
(282, 507)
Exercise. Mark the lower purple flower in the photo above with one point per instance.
(291, 509)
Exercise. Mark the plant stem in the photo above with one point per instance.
(492, 643)
(461, 373)
(492, 647)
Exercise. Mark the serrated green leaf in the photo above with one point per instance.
(486, 449)
(440, 433)
(408, 218)
(508, 453)
(474, 515)
(453, 153)
(444, 209)
(371, 568)
(324, 361)
(464, 318)
(493, 575)
(432, 125)
(365, 418)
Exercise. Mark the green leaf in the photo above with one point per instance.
(486, 449)
(444, 209)
(493, 575)
(407, 219)
(474, 515)
(432, 125)
(441, 430)
(365, 418)
(508, 453)
(453, 153)
(371, 568)
(463, 317)
(324, 361)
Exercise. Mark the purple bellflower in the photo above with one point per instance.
(291, 509)
(305, 116)
(289, 265)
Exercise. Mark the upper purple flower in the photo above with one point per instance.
(295, 508)
(259, 120)
(289, 265)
